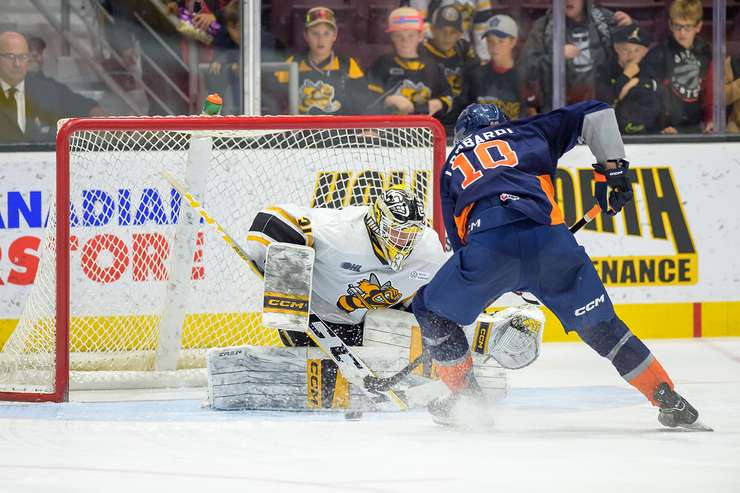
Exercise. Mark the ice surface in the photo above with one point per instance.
(569, 424)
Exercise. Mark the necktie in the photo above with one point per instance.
(12, 105)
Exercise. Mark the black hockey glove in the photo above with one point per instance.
(613, 188)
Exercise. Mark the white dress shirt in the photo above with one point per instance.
(20, 101)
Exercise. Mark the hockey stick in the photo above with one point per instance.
(348, 363)
(587, 218)
(379, 383)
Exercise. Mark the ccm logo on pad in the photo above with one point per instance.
(589, 306)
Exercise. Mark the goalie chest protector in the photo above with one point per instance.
(349, 279)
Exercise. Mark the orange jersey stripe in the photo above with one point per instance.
(556, 215)
(461, 222)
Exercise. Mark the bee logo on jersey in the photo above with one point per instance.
(319, 95)
(369, 294)
(416, 92)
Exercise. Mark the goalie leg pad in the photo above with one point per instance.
(293, 379)
(400, 330)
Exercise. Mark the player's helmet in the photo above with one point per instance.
(477, 116)
(395, 222)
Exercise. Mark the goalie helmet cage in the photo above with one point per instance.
(132, 289)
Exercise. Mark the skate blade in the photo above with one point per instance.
(695, 426)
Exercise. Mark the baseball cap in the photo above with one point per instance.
(320, 15)
(632, 34)
(501, 26)
(405, 19)
(449, 15)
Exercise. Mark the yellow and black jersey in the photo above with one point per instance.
(336, 86)
(417, 79)
(349, 276)
(452, 61)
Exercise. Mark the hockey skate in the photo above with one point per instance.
(464, 409)
(675, 411)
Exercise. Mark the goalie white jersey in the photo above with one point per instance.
(349, 277)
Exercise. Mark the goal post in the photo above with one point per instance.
(131, 289)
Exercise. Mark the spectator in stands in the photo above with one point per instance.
(448, 48)
(36, 47)
(475, 13)
(30, 105)
(224, 71)
(206, 12)
(402, 82)
(501, 80)
(682, 64)
(328, 83)
(588, 46)
(634, 95)
(732, 92)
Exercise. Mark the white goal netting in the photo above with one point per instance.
(150, 287)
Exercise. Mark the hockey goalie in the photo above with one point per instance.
(367, 264)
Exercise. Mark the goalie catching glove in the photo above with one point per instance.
(512, 337)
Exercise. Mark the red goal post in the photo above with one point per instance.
(121, 254)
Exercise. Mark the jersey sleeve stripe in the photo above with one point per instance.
(285, 215)
(258, 239)
(276, 229)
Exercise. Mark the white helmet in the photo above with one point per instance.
(395, 222)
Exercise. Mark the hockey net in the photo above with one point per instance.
(132, 289)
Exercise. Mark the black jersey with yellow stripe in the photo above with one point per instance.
(452, 61)
(335, 86)
(417, 79)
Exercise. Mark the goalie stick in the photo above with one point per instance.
(348, 363)
(381, 384)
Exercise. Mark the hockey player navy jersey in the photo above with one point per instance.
(513, 165)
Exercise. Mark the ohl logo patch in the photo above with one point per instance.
(369, 294)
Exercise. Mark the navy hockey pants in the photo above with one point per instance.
(521, 256)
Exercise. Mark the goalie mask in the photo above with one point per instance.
(395, 223)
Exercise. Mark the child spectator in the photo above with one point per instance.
(588, 45)
(499, 81)
(448, 48)
(635, 96)
(328, 84)
(403, 82)
(682, 64)
(732, 92)
(475, 13)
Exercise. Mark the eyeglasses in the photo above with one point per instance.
(683, 27)
(23, 57)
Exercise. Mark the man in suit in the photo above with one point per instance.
(30, 105)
